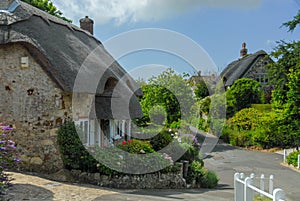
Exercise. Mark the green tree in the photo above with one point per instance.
(202, 89)
(292, 108)
(288, 58)
(169, 90)
(47, 6)
(242, 94)
(292, 24)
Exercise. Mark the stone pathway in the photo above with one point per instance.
(33, 188)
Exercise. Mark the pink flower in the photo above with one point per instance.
(142, 151)
(124, 143)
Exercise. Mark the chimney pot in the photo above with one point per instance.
(87, 24)
(244, 50)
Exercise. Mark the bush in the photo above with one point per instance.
(191, 154)
(250, 127)
(75, 155)
(292, 158)
(158, 114)
(202, 177)
(161, 140)
(136, 146)
(262, 107)
(8, 158)
(209, 180)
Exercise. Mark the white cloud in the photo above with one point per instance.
(122, 11)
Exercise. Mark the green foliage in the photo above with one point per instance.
(191, 154)
(136, 146)
(157, 115)
(170, 91)
(261, 198)
(203, 177)
(288, 56)
(262, 107)
(75, 155)
(176, 124)
(250, 127)
(202, 89)
(209, 180)
(161, 140)
(292, 24)
(292, 158)
(242, 94)
(47, 6)
(246, 119)
(291, 108)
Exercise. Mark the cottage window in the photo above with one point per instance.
(262, 78)
(89, 131)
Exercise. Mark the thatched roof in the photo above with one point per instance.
(238, 68)
(62, 49)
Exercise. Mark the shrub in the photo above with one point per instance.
(158, 114)
(209, 180)
(243, 93)
(8, 158)
(136, 146)
(246, 119)
(191, 154)
(292, 158)
(202, 176)
(161, 140)
(262, 107)
(75, 155)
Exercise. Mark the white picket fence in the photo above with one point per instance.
(244, 189)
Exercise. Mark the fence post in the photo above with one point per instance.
(298, 161)
(238, 188)
(271, 184)
(262, 183)
(278, 195)
(284, 155)
(248, 192)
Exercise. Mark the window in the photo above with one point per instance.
(89, 131)
(262, 78)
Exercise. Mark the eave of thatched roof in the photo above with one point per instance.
(64, 51)
(65, 47)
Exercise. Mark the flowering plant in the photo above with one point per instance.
(8, 157)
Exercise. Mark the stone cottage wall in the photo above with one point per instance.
(258, 69)
(34, 106)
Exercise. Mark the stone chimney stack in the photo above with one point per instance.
(244, 50)
(87, 24)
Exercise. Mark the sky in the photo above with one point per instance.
(219, 27)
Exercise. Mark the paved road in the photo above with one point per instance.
(226, 160)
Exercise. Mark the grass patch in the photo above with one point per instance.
(261, 198)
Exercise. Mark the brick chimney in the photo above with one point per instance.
(87, 24)
(244, 50)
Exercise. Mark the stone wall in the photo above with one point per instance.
(155, 180)
(34, 106)
(259, 69)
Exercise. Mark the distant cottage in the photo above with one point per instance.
(40, 57)
(247, 66)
